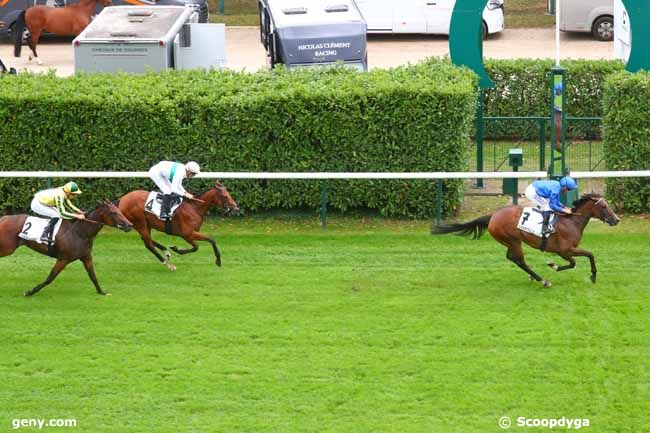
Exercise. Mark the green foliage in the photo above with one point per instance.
(523, 89)
(415, 118)
(627, 138)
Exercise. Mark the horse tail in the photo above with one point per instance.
(474, 228)
(19, 29)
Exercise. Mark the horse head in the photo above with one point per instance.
(223, 200)
(109, 214)
(595, 206)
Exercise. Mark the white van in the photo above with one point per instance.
(589, 16)
(422, 16)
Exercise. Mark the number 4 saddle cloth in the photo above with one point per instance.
(154, 204)
(35, 226)
(531, 221)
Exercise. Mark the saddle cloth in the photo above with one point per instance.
(531, 221)
(35, 226)
(154, 203)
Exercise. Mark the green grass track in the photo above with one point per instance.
(372, 326)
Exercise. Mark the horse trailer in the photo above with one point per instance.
(299, 33)
(138, 39)
(10, 9)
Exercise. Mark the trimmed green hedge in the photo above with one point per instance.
(626, 127)
(415, 118)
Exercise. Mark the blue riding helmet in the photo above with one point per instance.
(568, 183)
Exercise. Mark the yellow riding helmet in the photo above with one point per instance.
(71, 188)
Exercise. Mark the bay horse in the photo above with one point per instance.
(74, 240)
(66, 21)
(186, 222)
(564, 241)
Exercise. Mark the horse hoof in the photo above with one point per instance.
(27, 294)
(546, 283)
(171, 267)
(593, 278)
(174, 249)
(218, 261)
(552, 266)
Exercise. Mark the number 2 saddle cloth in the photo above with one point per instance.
(35, 226)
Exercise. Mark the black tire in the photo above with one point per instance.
(603, 28)
(26, 33)
(484, 30)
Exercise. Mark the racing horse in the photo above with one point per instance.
(74, 240)
(502, 225)
(66, 21)
(186, 222)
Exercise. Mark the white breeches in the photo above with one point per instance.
(40, 209)
(161, 181)
(540, 202)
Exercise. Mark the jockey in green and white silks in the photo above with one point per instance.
(168, 177)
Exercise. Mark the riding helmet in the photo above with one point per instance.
(71, 188)
(193, 167)
(568, 183)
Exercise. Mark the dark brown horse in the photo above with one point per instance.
(502, 225)
(73, 242)
(186, 222)
(66, 21)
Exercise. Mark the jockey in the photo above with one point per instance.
(56, 203)
(168, 177)
(546, 195)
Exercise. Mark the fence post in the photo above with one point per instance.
(439, 203)
(323, 204)
(479, 137)
(222, 7)
(542, 144)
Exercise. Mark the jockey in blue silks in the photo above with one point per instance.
(546, 196)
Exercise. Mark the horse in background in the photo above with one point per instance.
(66, 21)
(502, 225)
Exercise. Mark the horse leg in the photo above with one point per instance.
(58, 267)
(145, 234)
(577, 252)
(516, 255)
(196, 236)
(32, 41)
(88, 264)
(568, 258)
(162, 248)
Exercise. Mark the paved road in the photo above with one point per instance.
(244, 51)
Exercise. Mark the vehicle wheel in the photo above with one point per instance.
(603, 28)
(484, 30)
(26, 33)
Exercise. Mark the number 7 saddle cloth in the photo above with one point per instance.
(531, 221)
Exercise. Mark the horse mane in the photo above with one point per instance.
(584, 199)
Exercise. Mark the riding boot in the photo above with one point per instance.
(546, 215)
(166, 206)
(49, 231)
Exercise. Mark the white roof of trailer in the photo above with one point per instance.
(136, 22)
(291, 13)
